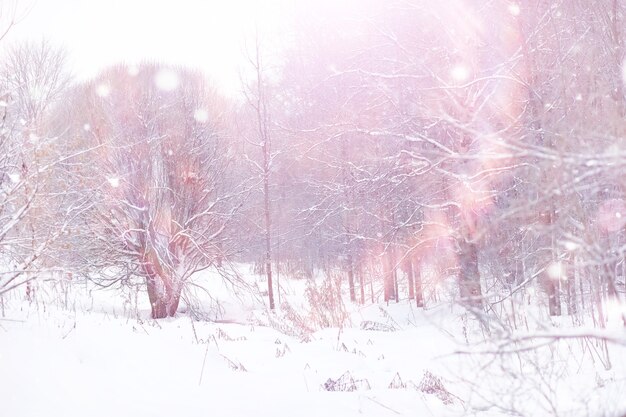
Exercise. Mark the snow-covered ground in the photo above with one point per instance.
(76, 351)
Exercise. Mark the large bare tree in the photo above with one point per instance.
(161, 193)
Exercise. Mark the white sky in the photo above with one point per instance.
(207, 34)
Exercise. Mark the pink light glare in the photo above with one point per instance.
(103, 90)
(201, 115)
(514, 9)
(113, 182)
(460, 73)
(612, 215)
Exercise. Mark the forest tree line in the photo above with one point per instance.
(407, 145)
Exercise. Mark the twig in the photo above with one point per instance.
(206, 351)
(382, 405)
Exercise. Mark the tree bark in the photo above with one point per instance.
(387, 277)
(570, 286)
(395, 279)
(419, 293)
(361, 284)
(408, 267)
(554, 300)
(164, 297)
(268, 224)
(163, 288)
(469, 275)
(351, 279)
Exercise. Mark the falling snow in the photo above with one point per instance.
(514, 9)
(114, 182)
(313, 208)
(103, 90)
(201, 116)
(166, 80)
(460, 73)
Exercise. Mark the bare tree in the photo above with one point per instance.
(161, 195)
(33, 78)
(260, 106)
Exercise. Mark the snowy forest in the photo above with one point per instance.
(410, 207)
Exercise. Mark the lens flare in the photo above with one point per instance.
(114, 182)
(103, 90)
(166, 80)
(556, 271)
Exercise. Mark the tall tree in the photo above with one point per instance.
(33, 78)
(162, 198)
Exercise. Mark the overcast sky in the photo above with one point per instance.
(208, 34)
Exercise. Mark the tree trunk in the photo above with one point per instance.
(611, 272)
(408, 267)
(387, 277)
(554, 300)
(581, 288)
(270, 285)
(361, 284)
(164, 297)
(351, 278)
(469, 275)
(163, 288)
(570, 286)
(419, 293)
(268, 225)
(263, 120)
(597, 296)
(395, 281)
(371, 274)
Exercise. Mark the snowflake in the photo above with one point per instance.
(166, 80)
(114, 182)
(201, 116)
(514, 9)
(556, 271)
(103, 90)
(460, 73)
(133, 70)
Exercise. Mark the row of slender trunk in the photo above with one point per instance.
(391, 270)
